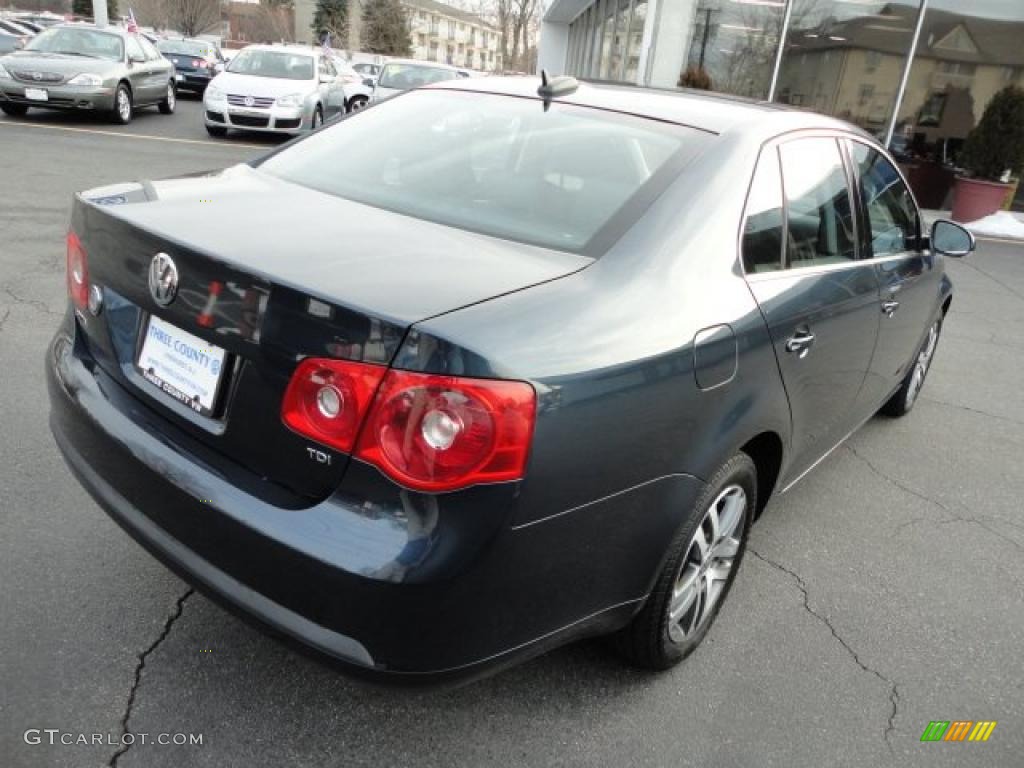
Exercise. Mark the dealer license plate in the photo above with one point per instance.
(183, 366)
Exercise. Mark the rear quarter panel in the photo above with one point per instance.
(610, 350)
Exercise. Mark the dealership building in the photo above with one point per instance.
(916, 73)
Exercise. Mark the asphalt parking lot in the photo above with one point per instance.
(886, 590)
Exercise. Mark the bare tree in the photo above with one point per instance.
(194, 17)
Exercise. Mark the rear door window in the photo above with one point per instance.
(135, 52)
(820, 227)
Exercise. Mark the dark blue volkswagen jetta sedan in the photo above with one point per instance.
(540, 362)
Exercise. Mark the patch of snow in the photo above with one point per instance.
(1000, 224)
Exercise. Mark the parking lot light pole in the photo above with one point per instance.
(99, 12)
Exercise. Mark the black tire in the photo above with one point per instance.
(170, 100)
(123, 110)
(318, 118)
(902, 403)
(14, 110)
(650, 641)
(357, 102)
(217, 131)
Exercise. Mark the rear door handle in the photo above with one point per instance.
(889, 307)
(800, 343)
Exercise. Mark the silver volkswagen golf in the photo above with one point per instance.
(275, 89)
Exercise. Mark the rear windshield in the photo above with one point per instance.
(404, 77)
(78, 42)
(496, 164)
(187, 48)
(279, 64)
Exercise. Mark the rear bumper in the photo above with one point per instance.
(416, 590)
(191, 81)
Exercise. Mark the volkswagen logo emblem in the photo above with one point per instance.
(163, 279)
(37, 75)
(249, 101)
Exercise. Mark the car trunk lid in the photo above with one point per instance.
(269, 273)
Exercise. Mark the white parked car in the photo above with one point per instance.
(399, 75)
(274, 89)
(357, 92)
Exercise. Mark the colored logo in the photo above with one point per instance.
(958, 730)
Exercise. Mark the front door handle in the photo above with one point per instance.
(889, 307)
(800, 343)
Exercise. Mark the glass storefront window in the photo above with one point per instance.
(963, 59)
(717, 45)
(619, 41)
(846, 59)
(635, 40)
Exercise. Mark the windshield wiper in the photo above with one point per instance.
(75, 53)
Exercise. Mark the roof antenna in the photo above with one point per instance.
(555, 86)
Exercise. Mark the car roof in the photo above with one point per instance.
(282, 48)
(420, 63)
(119, 31)
(707, 111)
(187, 40)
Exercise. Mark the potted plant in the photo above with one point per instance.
(993, 152)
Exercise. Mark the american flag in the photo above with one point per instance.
(132, 26)
(327, 44)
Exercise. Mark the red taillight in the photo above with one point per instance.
(442, 433)
(77, 272)
(429, 433)
(326, 400)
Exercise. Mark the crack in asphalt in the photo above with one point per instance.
(171, 618)
(892, 686)
(4, 319)
(967, 408)
(41, 306)
(893, 481)
(982, 521)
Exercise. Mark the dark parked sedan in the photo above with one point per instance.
(196, 62)
(531, 378)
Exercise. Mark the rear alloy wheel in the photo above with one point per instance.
(701, 567)
(14, 110)
(903, 401)
(170, 100)
(357, 103)
(122, 105)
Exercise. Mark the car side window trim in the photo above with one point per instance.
(866, 257)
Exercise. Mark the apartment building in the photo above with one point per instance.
(449, 35)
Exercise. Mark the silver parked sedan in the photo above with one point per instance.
(275, 89)
(82, 67)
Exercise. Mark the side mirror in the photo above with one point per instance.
(369, 82)
(950, 239)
